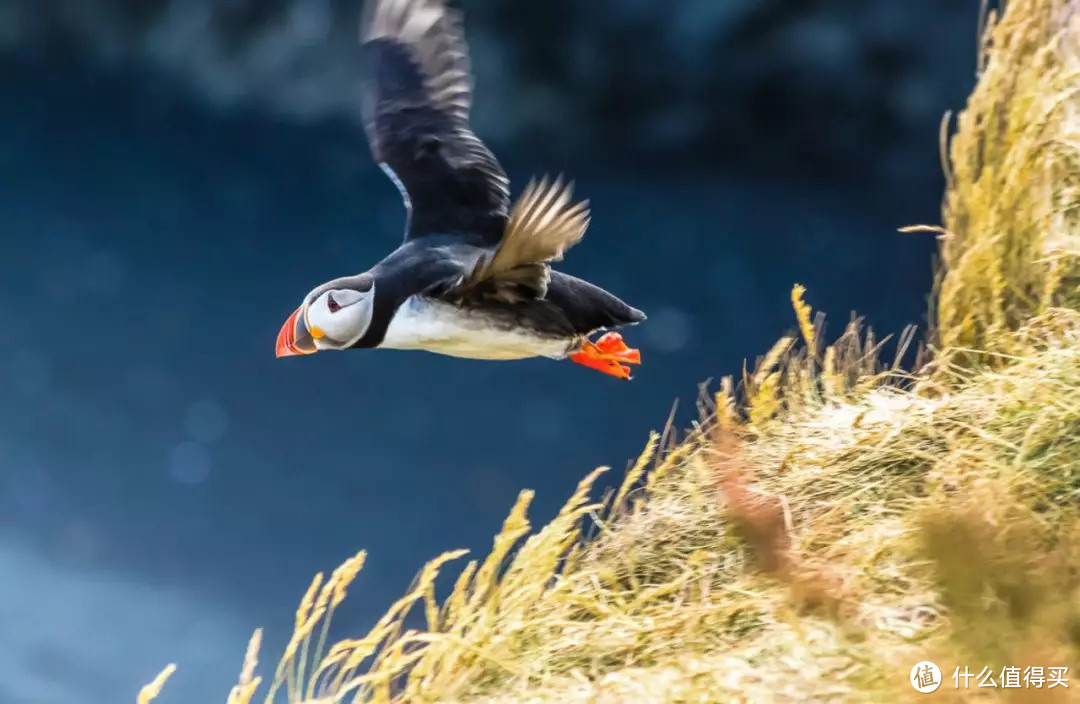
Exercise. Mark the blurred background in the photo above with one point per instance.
(176, 174)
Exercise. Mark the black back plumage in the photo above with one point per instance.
(433, 268)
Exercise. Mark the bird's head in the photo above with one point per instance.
(332, 317)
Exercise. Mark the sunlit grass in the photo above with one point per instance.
(832, 519)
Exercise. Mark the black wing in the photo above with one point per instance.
(416, 99)
(587, 306)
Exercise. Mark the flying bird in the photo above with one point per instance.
(473, 277)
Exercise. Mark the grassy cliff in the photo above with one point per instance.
(832, 519)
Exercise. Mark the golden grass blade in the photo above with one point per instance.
(150, 692)
(802, 313)
(245, 688)
(636, 471)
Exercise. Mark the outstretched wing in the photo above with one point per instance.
(416, 99)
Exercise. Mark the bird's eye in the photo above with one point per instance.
(342, 298)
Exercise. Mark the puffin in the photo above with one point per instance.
(473, 277)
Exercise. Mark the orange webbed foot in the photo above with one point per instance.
(612, 343)
(609, 354)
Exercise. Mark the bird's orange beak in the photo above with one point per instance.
(293, 338)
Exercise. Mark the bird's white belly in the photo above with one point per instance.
(434, 326)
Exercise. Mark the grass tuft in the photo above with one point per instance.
(832, 519)
(1011, 243)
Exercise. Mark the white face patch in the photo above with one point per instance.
(338, 318)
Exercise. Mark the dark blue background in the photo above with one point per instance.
(166, 484)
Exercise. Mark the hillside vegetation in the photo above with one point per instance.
(832, 519)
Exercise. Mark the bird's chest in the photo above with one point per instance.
(434, 326)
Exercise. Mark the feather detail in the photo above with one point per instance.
(543, 224)
(434, 33)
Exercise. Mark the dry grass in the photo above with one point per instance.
(830, 522)
(1012, 239)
